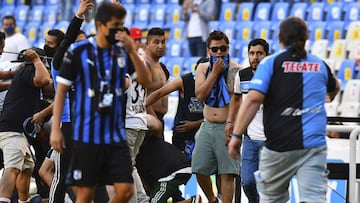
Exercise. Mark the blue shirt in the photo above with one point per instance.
(295, 91)
(86, 66)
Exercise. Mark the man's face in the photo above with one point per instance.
(50, 40)
(156, 45)
(256, 54)
(80, 37)
(104, 29)
(137, 43)
(8, 23)
(218, 48)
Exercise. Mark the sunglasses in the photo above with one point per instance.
(222, 48)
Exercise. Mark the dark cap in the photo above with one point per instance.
(21, 57)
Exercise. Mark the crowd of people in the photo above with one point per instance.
(105, 97)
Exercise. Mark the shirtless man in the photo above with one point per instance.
(213, 86)
(155, 49)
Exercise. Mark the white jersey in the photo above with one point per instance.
(255, 129)
(135, 106)
(14, 44)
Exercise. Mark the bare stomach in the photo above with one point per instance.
(216, 115)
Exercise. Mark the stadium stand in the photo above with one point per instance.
(350, 102)
(245, 11)
(227, 12)
(262, 12)
(346, 72)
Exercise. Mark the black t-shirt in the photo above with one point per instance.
(20, 101)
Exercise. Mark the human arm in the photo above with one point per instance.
(40, 116)
(186, 126)
(42, 76)
(72, 31)
(4, 75)
(234, 105)
(56, 136)
(176, 84)
(4, 86)
(206, 10)
(203, 84)
(143, 76)
(246, 113)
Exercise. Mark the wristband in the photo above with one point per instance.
(236, 136)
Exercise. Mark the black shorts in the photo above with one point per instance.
(102, 164)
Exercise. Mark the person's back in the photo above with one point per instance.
(292, 85)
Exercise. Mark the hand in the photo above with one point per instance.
(31, 55)
(219, 65)
(234, 147)
(38, 118)
(185, 126)
(84, 6)
(57, 140)
(228, 128)
(126, 40)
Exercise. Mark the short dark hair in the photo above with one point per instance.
(261, 42)
(58, 34)
(217, 35)
(155, 31)
(107, 10)
(9, 18)
(293, 32)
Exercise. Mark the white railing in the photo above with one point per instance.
(355, 132)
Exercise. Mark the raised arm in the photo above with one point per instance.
(176, 84)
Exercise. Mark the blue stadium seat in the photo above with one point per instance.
(214, 25)
(333, 12)
(175, 64)
(62, 25)
(142, 14)
(227, 12)
(316, 12)
(280, 11)
(7, 10)
(241, 50)
(173, 15)
(185, 49)
(38, 2)
(317, 30)
(31, 32)
(172, 2)
(52, 14)
(129, 14)
(335, 31)
(262, 29)
(7, 3)
(244, 30)
(43, 29)
(157, 15)
(189, 64)
(21, 13)
(262, 12)
(139, 2)
(245, 11)
(346, 72)
(20, 2)
(155, 2)
(174, 48)
(351, 13)
(37, 13)
(228, 27)
(274, 46)
(90, 28)
(52, 2)
(299, 10)
(125, 2)
(274, 30)
(177, 31)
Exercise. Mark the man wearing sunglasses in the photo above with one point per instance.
(213, 86)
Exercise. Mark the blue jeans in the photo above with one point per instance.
(197, 46)
(250, 164)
